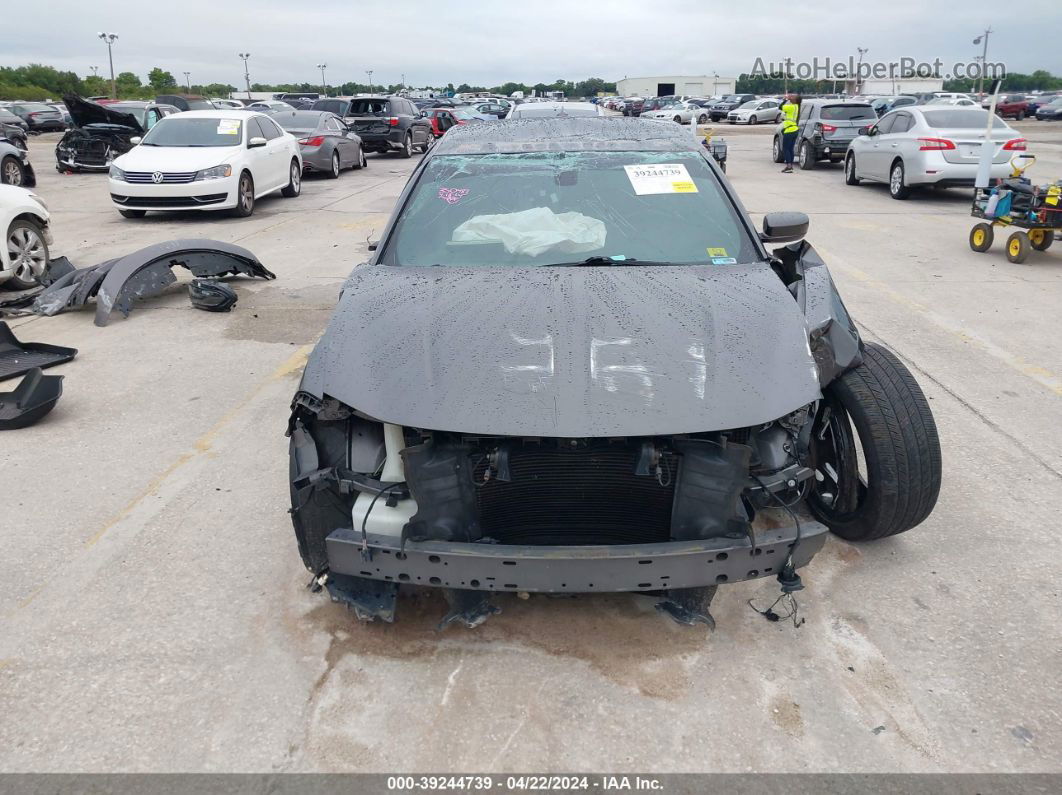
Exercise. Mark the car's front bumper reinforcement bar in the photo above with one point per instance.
(581, 569)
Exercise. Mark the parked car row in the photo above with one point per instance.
(935, 144)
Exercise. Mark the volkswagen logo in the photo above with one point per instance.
(156, 177)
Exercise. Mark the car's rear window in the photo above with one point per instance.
(370, 107)
(546, 208)
(337, 106)
(960, 118)
(848, 112)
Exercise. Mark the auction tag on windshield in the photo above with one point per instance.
(228, 127)
(660, 178)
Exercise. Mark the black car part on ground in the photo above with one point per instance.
(34, 397)
(211, 296)
(17, 357)
(116, 283)
(99, 135)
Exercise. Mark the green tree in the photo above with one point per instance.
(128, 85)
(95, 86)
(161, 80)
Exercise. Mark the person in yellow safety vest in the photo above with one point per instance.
(790, 111)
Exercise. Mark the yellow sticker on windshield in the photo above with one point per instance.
(716, 252)
(657, 178)
(228, 127)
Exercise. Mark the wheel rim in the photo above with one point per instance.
(752, 120)
(776, 149)
(979, 237)
(12, 173)
(409, 144)
(296, 177)
(1014, 247)
(26, 252)
(838, 486)
(335, 164)
(246, 193)
(896, 179)
(849, 167)
(804, 155)
(1036, 237)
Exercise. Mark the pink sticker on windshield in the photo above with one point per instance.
(452, 195)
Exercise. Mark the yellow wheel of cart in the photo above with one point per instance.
(1041, 239)
(1018, 247)
(981, 237)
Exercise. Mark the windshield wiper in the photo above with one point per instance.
(589, 261)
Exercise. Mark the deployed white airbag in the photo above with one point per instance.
(535, 231)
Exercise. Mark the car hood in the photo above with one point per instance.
(175, 158)
(84, 113)
(566, 352)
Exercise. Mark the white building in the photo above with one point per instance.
(901, 85)
(693, 86)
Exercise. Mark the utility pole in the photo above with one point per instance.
(859, 69)
(369, 73)
(324, 88)
(109, 39)
(984, 61)
(188, 82)
(95, 70)
(246, 74)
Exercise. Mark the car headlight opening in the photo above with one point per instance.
(217, 172)
(116, 173)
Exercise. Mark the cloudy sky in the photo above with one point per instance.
(487, 42)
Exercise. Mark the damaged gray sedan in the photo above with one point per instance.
(573, 365)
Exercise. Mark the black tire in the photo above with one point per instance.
(850, 177)
(981, 237)
(333, 172)
(677, 120)
(898, 187)
(1041, 239)
(753, 120)
(12, 172)
(702, 119)
(890, 415)
(245, 196)
(1020, 116)
(776, 150)
(806, 156)
(362, 162)
(132, 213)
(407, 147)
(1018, 247)
(26, 236)
(294, 186)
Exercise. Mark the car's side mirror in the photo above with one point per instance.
(784, 227)
(256, 142)
(373, 245)
(135, 140)
(865, 130)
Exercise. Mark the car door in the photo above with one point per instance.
(872, 160)
(768, 111)
(280, 150)
(263, 159)
(896, 142)
(345, 145)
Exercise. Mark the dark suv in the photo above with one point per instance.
(388, 124)
(728, 103)
(827, 126)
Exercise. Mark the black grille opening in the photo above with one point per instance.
(576, 496)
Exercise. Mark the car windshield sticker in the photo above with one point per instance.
(724, 261)
(716, 252)
(452, 195)
(660, 178)
(228, 127)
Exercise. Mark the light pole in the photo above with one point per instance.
(246, 74)
(95, 70)
(324, 87)
(859, 69)
(984, 61)
(369, 73)
(188, 82)
(110, 39)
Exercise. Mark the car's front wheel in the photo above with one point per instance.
(753, 120)
(850, 177)
(27, 251)
(875, 451)
(776, 150)
(702, 119)
(12, 172)
(294, 186)
(244, 196)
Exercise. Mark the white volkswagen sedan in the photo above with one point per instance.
(206, 160)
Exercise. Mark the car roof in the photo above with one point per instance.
(559, 134)
(226, 113)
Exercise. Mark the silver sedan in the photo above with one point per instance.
(326, 143)
(929, 145)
